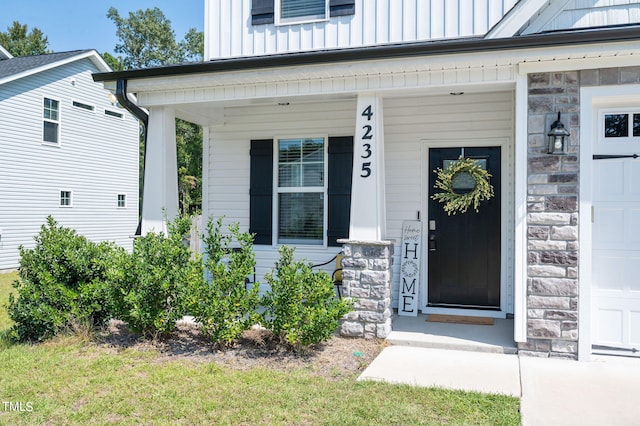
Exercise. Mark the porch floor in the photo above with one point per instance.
(416, 331)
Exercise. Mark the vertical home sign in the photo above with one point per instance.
(410, 267)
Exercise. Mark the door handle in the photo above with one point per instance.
(432, 242)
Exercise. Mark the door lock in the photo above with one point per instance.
(432, 242)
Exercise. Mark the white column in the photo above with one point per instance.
(160, 192)
(521, 260)
(367, 193)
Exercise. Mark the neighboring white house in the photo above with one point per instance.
(325, 119)
(66, 150)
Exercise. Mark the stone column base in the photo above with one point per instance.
(366, 279)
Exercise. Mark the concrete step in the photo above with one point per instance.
(415, 331)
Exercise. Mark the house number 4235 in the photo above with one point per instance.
(367, 135)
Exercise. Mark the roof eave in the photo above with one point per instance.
(428, 48)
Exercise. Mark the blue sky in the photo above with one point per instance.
(83, 24)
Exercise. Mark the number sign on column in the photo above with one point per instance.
(367, 135)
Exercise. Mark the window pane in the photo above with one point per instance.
(50, 132)
(616, 125)
(313, 174)
(301, 162)
(302, 8)
(122, 200)
(301, 218)
(636, 124)
(50, 109)
(65, 198)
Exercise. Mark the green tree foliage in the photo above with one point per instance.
(189, 149)
(62, 283)
(20, 42)
(301, 307)
(222, 304)
(148, 288)
(147, 40)
(114, 62)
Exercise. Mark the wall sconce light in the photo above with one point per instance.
(558, 138)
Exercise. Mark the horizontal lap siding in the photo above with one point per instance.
(595, 13)
(411, 120)
(228, 160)
(230, 33)
(97, 159)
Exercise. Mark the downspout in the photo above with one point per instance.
(140, 114)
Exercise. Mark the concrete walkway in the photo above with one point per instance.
(605, 391)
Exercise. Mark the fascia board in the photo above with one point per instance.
(92, 54)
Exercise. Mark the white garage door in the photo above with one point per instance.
(616, 236)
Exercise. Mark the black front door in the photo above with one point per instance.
(464, 262)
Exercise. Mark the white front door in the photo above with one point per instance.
(616, 235)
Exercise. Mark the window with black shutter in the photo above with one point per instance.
(301, 190)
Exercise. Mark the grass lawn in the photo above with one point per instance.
(5, 289)
(71, 381)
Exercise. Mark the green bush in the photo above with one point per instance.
(222, 304)
(148, 287)
(301, 307)
(62, 283)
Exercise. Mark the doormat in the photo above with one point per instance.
(459, 319)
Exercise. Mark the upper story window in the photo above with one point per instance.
(298, 11)
(112, 113)
(51, 121)
(82, 105)
(291, 11)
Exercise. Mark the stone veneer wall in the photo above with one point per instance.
(553, 185)
(366, 278)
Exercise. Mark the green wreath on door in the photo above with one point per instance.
(457, 201)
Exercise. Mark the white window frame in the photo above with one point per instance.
(60, 198)
(118, 200)
(602, 140)
(113, 111)
(79, 108)
(58, 122)
(310, 189)
(299, 19)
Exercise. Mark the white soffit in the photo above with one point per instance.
(576, 56)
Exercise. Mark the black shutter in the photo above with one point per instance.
(342, 7)
(261, 190)
(339, 188)
(261, 12)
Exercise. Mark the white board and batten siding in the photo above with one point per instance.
(96, 160)
(408, 122)
(230, 33)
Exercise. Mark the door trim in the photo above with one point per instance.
(506, 217)
(592, 99)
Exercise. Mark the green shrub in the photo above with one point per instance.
(62, 283)
(222, 304)
(301, 307)
(149, 286)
